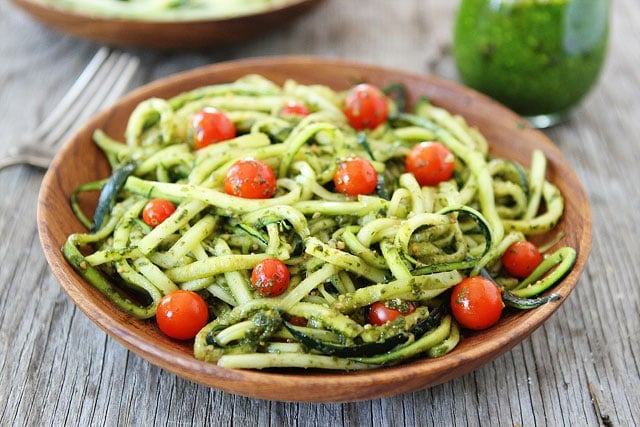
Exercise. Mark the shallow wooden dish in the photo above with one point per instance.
(189, 35)
(80, 161)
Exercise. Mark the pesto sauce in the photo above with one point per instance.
(537, 57)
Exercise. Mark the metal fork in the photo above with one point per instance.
(104, 79)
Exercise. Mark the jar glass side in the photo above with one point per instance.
(537, 57)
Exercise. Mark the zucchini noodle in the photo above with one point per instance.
(404, 243)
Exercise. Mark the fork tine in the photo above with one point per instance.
(108, 83)
(72, 94)
(121, 84)
(104, 79)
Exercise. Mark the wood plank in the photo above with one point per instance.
(580, 368)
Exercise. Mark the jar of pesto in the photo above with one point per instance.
(538, 57)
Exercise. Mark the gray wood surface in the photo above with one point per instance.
(581, 368)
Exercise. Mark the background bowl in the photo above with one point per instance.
(191, 34)
(509, 137)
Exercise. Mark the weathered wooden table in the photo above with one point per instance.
(581, 368)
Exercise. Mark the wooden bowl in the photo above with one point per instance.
(189, 35)
(80, 161)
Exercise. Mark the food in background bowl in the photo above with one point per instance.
(160, 25)
(165, 10)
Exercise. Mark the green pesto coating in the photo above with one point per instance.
(537, 57)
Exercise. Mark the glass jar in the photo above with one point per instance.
(538, 57)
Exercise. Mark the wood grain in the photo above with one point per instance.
(580, 368)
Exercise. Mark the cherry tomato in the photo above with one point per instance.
(355, 176)
(430, 162)
(521, 258)
(476, 303)
(181, 314)
(209, 126)
(298, 321)
(366, 107)
(270, 277)
(250, 178)
(381, 312)
(156, 211)
(293, 108)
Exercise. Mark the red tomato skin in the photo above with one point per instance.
(251, 179)
(298, 321)
(521, 258)
(430, 162)
(293, 108)
(476, 303)
(209, 126)
(156, 211)
(270, 277)
(182, 314)
(355, 176)
(365, 107)
(379, 313)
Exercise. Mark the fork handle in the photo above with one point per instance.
(38, 161)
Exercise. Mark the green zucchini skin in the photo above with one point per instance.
(372, 348)
(333, 349)
(527, 303)
(398, 93)
(73, 255)
(431, 321)
(362, 140)
(522, 303)
(109, 193)
(381, 188)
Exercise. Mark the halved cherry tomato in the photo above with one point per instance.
(209, 126)
(181, 314)
(355, 176)
(366, 107)
(521, 258)
(383, 312)
(476, 303)
(270, 277)
(156, 211)
(250, 178)
(430, 162)
(293, 108)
